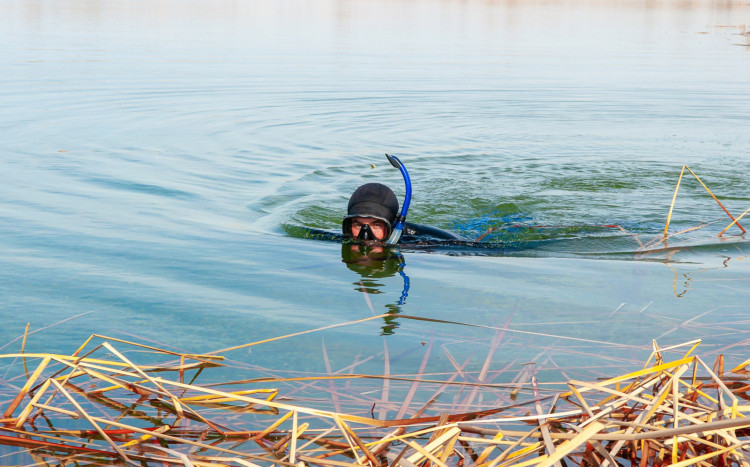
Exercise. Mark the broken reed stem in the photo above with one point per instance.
(719, 202)
(23, 349)
(25, 335)
(17, 400)
(735, 222)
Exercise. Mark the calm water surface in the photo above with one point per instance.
(159, 159)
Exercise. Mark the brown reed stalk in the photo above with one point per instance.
(734, 222)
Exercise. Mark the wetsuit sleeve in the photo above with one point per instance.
(426, 232)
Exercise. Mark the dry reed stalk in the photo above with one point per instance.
(734, 222)
(717, 201)
(674, 198)
(287, 336)
(23, 348)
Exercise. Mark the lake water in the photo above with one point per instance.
(161, 159)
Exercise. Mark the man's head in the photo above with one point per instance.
(372, 209)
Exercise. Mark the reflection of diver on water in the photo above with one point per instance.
(373, 262)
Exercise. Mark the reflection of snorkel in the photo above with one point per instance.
(372, 263)
(398, 228)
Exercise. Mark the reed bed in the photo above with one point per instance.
(102, 405)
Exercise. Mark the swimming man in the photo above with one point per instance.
(372, 214)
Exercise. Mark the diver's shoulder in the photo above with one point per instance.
(421, 230)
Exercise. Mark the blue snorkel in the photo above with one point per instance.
(398, 229)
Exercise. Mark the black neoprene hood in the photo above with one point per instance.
(371, 200)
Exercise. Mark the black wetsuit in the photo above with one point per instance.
(419, 233)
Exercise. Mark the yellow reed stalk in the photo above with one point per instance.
(693, 387)
(488, 450)
(423, 452)
(650, 371)
(143, 346)
(522, 453)
(581, 399)
(508, 433)
(69, 359)
(674, 198)
(734, 222)
(740, 369)
(434, 445)
(274, 425)
(23, 349)
(449, 446)
(85, 343)
(27, 411)
(25, 335)
(636, 374)
(568, 446)
(715, 199)
(695, 460)
(89, 370)
(212, 398)
(286, 336)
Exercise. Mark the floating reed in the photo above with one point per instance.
(101, 407)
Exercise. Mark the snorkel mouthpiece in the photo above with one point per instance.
(401, 218)
(365, 233)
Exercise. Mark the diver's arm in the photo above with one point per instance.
(427, 232)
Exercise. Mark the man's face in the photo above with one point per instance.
(378, 227)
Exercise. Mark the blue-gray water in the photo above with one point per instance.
(159, 157)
